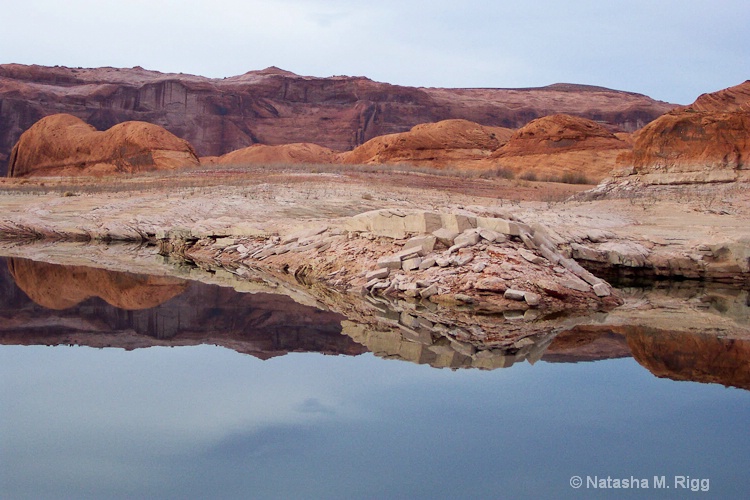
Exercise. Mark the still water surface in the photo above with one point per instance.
(253, 419)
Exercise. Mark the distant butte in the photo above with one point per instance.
(275, 107)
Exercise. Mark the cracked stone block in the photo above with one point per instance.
(531, 298)
(423, 244)
(458, 222)
(429, 291)
(390, 262)
(531, 256)
(500, 225)
(427, 263)
(472, 237)
(491, 236)
(411, 264)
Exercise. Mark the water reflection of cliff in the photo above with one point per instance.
(87, 306)
(99, 308)
(677, 355)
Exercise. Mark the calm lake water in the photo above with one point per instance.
(288, 407)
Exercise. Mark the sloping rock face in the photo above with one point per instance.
(277, 107)
(708, 141)
(556, 145)
(433, 144)
(65, 145)
(281, 154)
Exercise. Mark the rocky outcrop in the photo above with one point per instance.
(708, 141)
(278, 107)
(493, 264)
(65, 145)
(281, 154)
(448, 142)
(558, 145)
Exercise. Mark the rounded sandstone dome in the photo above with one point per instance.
(63, 144)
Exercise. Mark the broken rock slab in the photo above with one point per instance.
(423, 244)
(470, 237)
(445, 236)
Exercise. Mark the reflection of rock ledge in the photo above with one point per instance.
(443, 352)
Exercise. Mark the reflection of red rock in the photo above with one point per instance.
(586, 343)
(556, 145)
(263, 325)
(61, 287)
(690, 356)
(432, 144)
(708, 140)
(677, 355)
(65, 145)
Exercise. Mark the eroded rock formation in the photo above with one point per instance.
(556, 145)
(65, 145)
(278, 107)
(281, 154)
(448, 142)
(708, 141)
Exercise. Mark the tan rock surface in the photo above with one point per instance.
(65, 145)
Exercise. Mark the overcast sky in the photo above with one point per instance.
(672, 50)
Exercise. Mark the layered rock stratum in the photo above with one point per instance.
(276, 107)
(63, 144)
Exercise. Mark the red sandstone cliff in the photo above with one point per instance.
(277, 107)
(708, 141)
